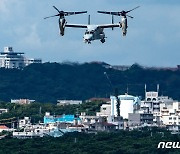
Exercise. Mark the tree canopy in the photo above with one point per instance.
(49, 82)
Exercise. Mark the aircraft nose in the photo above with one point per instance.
(88, 37)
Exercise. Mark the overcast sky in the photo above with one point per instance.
(153, 37)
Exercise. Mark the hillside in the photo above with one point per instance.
(51, 81)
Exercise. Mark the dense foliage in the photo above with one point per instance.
(136, 142)
(51, 81)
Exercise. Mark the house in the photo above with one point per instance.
(4, 128)
(3, 111)
(102, 126)
(22, 101)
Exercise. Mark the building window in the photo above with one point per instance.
(174, 118)
(170, 118)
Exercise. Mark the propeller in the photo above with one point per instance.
(132, 9)
(122, 13)
(61, 14)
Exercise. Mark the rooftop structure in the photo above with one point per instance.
(55, 119)
(3, 111)
(22, 101)
(11, 59)
(98, 99)
(68, 102)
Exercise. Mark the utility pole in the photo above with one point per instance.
(116, 93)
(110, 83)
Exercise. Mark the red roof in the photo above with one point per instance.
(100, 99)
(3, 127)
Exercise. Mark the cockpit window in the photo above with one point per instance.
(89, 32)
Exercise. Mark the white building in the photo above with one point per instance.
(126, 105)
(152, 103)
(170, 113)
(68, 102)
(105, 110)
(3, 111)
(22, 101)
(22, 123)
(11, 59)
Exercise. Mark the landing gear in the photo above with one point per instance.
(103, 40)
(124, 33)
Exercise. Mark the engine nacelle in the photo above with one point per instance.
(62, 25)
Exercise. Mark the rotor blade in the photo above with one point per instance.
(76, 26)
(130, 16)
(132, 9)
(112, 13)
(108, 25)
(56, 9)
(74, 13)
(51, 16)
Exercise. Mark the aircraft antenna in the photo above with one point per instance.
(89, 20)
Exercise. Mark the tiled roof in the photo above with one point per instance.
(3, 127)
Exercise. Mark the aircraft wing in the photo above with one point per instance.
(76, 26)
(109, 25)
(112, 13)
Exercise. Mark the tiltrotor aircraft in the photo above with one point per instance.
(62, 20)
(124, 16)
(94, 32)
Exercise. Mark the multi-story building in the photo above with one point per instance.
(23, 122)
(11, 59)
(152, 104)
(137, 119)
(170, 113)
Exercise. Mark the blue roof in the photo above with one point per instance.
(63, 118)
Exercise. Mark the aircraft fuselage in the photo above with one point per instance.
(94, 33)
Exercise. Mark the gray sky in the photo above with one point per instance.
(152, 40)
